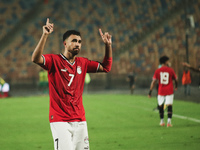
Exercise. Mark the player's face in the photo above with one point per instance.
(73, 44)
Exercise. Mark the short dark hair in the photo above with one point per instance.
(163, 59)
(70, 32)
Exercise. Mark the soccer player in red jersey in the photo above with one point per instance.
(165, 76)
(66, 76)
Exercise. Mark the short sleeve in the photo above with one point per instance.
(155, 77)
(92, 66)
(48, 62)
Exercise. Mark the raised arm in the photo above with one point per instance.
(106, 64)
(190, 67)
(37, 53)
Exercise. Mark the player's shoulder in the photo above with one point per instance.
(165, 68)
(170, 69)
(81, 59)
(158, 70)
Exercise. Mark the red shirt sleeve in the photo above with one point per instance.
(155, 77)
(92, 66)
(48, 62)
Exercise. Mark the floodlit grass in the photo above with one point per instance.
(115, 122)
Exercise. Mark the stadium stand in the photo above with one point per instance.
(159, 23)
(11, 12)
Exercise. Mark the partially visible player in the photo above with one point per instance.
(186, 81)
(131, 80)
(66, 76)
(190, 67)
(4, 88)
(165, 76)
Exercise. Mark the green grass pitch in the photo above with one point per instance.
(115, 122)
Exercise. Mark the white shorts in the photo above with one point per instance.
(5, 87)
(70, 135)
(167, 100)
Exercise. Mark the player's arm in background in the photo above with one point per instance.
(151, 87)
(106, 64)
(190, 67)
(176, 84)
(175, 78)
(37, 53)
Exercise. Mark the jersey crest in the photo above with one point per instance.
(79, 71)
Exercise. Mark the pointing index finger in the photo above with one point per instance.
(100, 31)
(47, 21)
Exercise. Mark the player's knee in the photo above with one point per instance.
(161, 108)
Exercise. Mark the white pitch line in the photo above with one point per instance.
(173, 115)
(186, 118)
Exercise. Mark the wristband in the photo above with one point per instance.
(107, 63)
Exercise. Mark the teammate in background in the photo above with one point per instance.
(43, 81)
(186, 81)
(190, 67)
(131, 80)
(87, 82)
(165, 76)
(66, 76)
(4, 88)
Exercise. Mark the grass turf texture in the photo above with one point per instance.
(115, 122)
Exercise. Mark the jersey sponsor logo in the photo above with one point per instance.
(64, 70)
(79, 71)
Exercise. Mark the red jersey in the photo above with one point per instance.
(66, 83)
(165, 75)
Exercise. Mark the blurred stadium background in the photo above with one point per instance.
(142, 30)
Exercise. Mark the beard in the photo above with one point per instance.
(74, 51)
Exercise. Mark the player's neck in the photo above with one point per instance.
(164, 65)
(70, 57)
